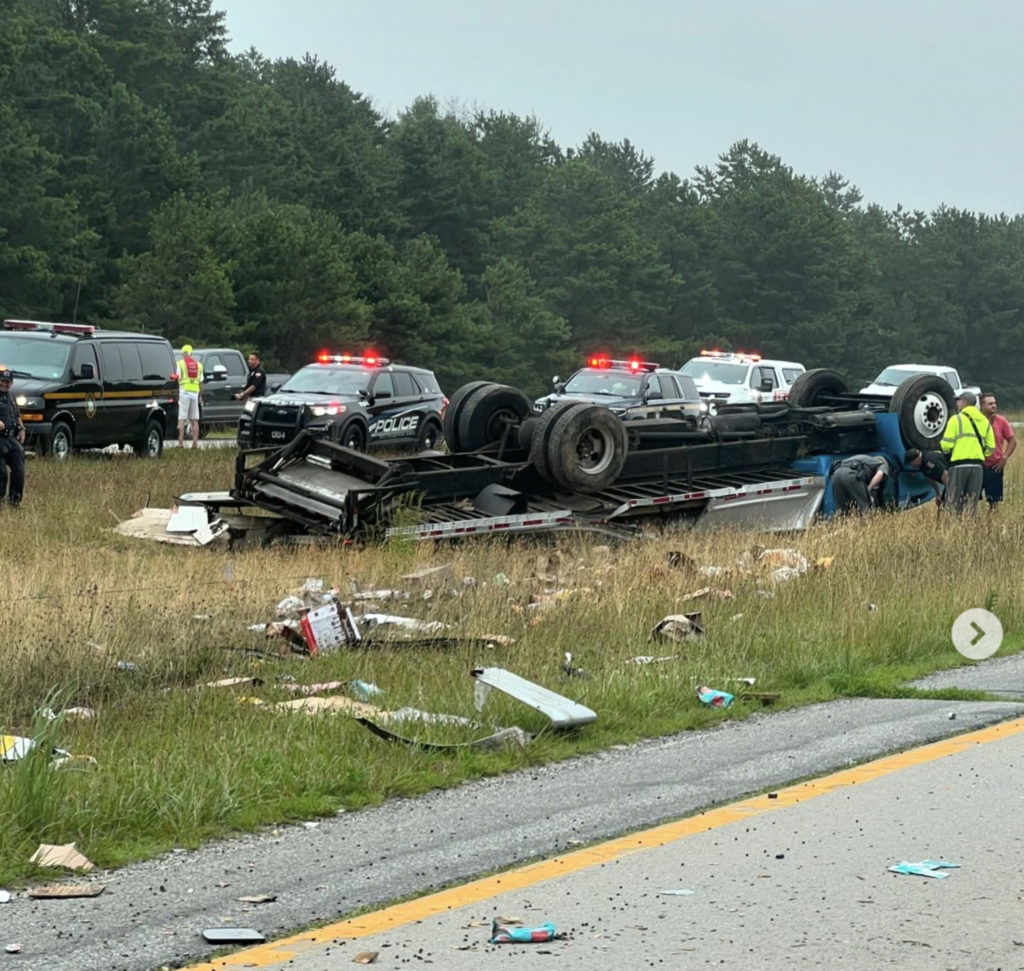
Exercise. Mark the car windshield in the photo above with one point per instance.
(319, 379)
(604, 381)
(31, 357)
(702, 371)
(893, 376)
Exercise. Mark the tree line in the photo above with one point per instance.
(152, 180)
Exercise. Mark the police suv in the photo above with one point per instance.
(359, 402)
(630, 389)
(739, 378)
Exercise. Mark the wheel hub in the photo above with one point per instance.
(930, 414)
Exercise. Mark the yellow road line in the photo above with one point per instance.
(277, 952)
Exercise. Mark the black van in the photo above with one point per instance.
(80, 387)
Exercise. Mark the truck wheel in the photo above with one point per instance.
(151, 445)
(816, 385)
(542, 433)
(352, 435)
(61, 443)
(925, 404)
(587, 449)
(450, 422)
(429, 436)
(488, 412)
(524, 433)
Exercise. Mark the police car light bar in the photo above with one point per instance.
(368, 360)
(730, 356)
(83, 329)
(631, 365)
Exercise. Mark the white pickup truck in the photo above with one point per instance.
(887, 382)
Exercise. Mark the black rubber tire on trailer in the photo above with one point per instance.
(151, 445)
(352, 434)
(924, 404)
(524, 433)
(812, 387)
(587, 449)
(429, 436)
(488, 412)
(450, 422)
(542, 433)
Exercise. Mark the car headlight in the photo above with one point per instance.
(24, 401)
(249, 406)
(538, 406)
(320, 410)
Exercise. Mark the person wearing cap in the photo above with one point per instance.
(12, 437)
(967, 441)
(190, 380)
(1006, 445)
(857, 483)
(932, 465)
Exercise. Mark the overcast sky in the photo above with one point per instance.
(916, 102)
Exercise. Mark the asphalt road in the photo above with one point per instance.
(152, 914)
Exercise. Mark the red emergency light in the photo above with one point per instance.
(367, 360)
(634, 364)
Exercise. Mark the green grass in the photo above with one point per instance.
(178, 764)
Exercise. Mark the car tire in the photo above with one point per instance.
(587, 449)
(524, 433)
(813, 387)
(924, 404)
(488, 413)
(450, 422)
(542, 433)
(60, 444)
(151, 445)
(352, 435)
(429, 436)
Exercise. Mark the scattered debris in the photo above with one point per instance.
(678, 627)
(569, 670)
(562, 712)
(55, 890)
(708, 593)
(681, 892)
(773, 559)
(65, 855)
(12, 948)
(403, 623)
(714, 698)
(181, 525)
(232, 935)
(765, 697)
(365, 957)
(648, 659)
(783, 573)
(513, 737)
(68, 714)
(363, 690)
(926, 868)
(680, 561)
(430, 578)
(234, 683)
(258, 898)
(336, 704)
(14, 747)
(503, 934)
(5, 896)
(312, 689)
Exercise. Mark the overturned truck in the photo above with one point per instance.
(580, 467)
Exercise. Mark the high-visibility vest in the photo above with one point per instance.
(190, 374)
(968, 437)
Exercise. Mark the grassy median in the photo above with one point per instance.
(132, 629)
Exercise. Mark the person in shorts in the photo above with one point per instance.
(995, 464)
(190, 381)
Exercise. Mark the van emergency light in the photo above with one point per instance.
(82, 330)
(738, 356)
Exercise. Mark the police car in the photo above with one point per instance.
(629, 388)
(738, 378)
(358, 401)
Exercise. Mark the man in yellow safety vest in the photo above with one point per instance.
(968, 441)
(190, 379)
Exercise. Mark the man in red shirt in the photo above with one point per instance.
(1006, 442)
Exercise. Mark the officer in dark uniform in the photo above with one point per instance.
(857, 483)
(12, 434)
(255, 381)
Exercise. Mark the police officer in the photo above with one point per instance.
(256, 380)
(12, 435)
(857, 483)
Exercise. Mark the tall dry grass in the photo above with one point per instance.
(94, 619)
